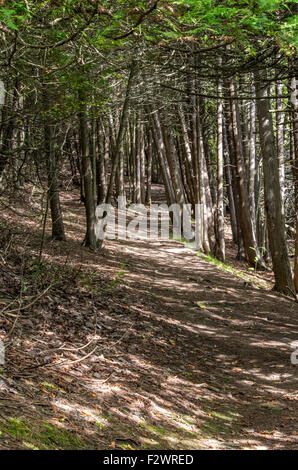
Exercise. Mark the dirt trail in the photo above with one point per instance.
(182, 356)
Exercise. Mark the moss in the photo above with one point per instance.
(156, 430)
(43, 436)
(63, 439)
(230, 269)
(52, 386)
(213, 428)
(127, 447)
(17, 427)
(100, 425)
(222, 416)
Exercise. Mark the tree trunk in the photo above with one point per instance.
(220, 245)
(120, 134)
(149, 168)
(273, 204)
(249, 238)
(87, 175)
(294, 105)
(58, 232)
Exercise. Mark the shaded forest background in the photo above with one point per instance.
(146, 344)
(201, 96)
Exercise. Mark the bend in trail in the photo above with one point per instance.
(215, 354)
(188, 356)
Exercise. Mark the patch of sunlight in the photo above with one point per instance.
(174, 250)
(222, 416)
(196, 444)
(30, 445)
(148, 441)
(173, 439)
(261, 375)
(271, 344)
(87, 414)
(182, 424)
(185, 423)
(213, 443)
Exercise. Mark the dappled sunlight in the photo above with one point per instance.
(145, 345)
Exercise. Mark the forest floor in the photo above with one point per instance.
(144, 345)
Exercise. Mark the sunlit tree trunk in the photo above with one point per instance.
(294, 106)
(149, 167)
(252, 162)
(220, 245)
(100, 163)
(280, 139)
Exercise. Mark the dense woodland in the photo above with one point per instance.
(127, 96)
(109, 98)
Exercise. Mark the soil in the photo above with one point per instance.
(143, 345)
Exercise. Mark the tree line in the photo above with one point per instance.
(201, 96)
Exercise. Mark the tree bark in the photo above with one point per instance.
(220, 246)
(249, 237)
(273, 204)
(58, 232)
(294, 106)
(87, 174)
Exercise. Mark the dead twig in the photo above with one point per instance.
(38, 297)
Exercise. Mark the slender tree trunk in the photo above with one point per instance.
(228, 174)
(273, 204)
(188, 154)
(149, 168)
(232, 160)
(58, 232)
(220, 246)
(8, 127)
(142, 163)
(161, 153)
(280, 140)
(87, 175)
(204, 191)
(100, 163)
(249, 238)
(294, 106)
(138, 195)
(120, 133)
(121, 189)
(252, 162)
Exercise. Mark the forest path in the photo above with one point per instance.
(221, 349)
(170, 353)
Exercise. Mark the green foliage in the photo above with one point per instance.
(246, 20)
(43, 436)
(230, 269)
(15, 15)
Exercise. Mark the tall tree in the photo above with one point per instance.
(272, 194)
